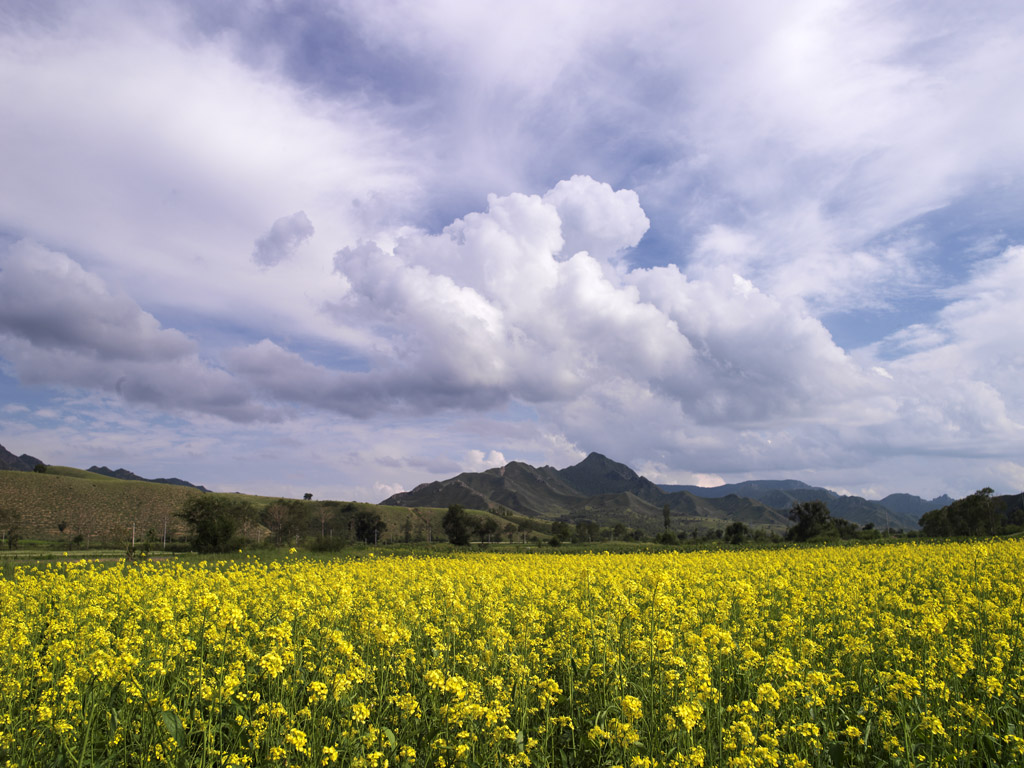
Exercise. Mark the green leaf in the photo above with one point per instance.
(174, 727)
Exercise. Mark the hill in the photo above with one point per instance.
(82, 509)
(64, 503)
(751, 489)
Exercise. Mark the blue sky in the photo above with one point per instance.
(345, 248)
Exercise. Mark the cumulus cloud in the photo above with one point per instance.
(597, 219)
(287, 234)
(479, 461)
(790, 159)
(498, 308)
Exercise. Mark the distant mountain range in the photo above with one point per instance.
(23, 463)
(782, 494)
(124, 474)
(606, 492)
(26, 463)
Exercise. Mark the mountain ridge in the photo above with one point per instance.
(598, 488)
(124, 474)
(23, 463)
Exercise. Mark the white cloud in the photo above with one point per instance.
(479, 461)
(49, 301)
(156, 158)
(61, 325)
(783, 155)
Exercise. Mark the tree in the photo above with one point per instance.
(41, 468)
(486, 528)
(974, 515)
(286, 519)
(812, 519)
(667, 537)
(666, 516)
(369, 526)
(587, 530)
(215, 520)
(456, 525)
(510, 530)
(307, 497)
(10, 527)
(560, 532)
(736, 532)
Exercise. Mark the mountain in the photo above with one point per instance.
(899, 510)
(598, 474)
(596, 490)
(26, 463)
(913, 506)
(124, 474)
(23, 463)
(601, 490)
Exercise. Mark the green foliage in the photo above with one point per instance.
(587, 530)
(812, 519)
(368, 526)
(40, 468)
(10, 527)
(974, 515)
(456, 525)
(286, 519)
(736, 532)
(486, 528)
(215, 520)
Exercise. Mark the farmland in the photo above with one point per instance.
(94, 507)
(871, 655)
(73, 508)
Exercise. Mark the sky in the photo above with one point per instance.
(344, 248)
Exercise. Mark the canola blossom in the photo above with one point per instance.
(892, 655)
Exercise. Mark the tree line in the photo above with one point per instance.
(217, 522)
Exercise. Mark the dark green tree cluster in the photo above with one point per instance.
(812, 520)
(10, 527)
(975, 515)
(456, 525)
(216, 520)
(286, 519)
(736, 532)
(368, 526)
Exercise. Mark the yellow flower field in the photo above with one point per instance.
(864, 656)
